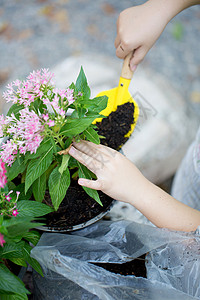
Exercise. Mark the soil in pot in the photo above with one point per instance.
(135, 267)
(116, 126)
(76, 208)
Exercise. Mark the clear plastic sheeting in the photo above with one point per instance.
(177, 264)
(66, 258)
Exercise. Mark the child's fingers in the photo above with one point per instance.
(122, 50)
(138, 56)
(86, 146)
(117, 41)
(91, 163)
(92, 184)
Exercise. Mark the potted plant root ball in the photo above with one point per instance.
(38, 130)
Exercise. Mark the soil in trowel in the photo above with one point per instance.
(116, 126)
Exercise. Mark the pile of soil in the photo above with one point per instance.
(116, 126)
(76, 208)
(135, 267)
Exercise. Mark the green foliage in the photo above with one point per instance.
(15, 109)
(58, 185)
(46, 169)
(85, 173)
(17, 234)
(37, 167)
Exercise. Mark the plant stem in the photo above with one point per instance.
(62, 144)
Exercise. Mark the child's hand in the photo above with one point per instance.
(121, 180)
(115, 173)
(138, 28)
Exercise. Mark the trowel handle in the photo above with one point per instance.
(126, 71)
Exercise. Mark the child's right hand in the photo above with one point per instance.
(138, 28)
(121, 180)
(116, 175)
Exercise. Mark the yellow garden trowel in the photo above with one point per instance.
(122, 111)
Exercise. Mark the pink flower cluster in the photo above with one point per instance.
(25, 92)
(3, 178)
(27, 131)
(8, 206)
(26, 135)
(60, 99)
(39, 84)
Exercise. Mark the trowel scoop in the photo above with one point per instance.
(122, 111)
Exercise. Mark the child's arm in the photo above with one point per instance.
(121, 180)
(140, 26)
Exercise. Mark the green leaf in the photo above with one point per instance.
(19, 261)
(15, 109)
(68, 142)
(20, 188)
(53, 144)
(31, 261)
(32, 209)
(37, 167)
(82, 85)
(99, 103)
(13, 297)
(19, 225)
(58, 185)
(83, 172)
(17, 167)
(64, 164)
(12, 250)
(76, 126)
(39, 105)
(74, 114)
(92, 135)
(11, 283)
(81, 112)
(44, 147)
(39, 187)
(32, 236)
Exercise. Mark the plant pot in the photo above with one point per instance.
(76, 211)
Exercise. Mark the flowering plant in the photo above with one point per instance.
(15, 223)
(39, 129)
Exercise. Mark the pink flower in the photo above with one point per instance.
(45, 117)
(51, 123)
(25, 92)
(27, 134)
(2, 122)
(9, 151)
(18, 193)
(62, 112)
(70, 95)
(8, 198)
(15, 212)
(2, 241)
(3, 178)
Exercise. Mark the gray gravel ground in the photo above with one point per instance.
(42, 33)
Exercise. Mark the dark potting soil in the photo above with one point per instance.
(76, 208)
(135, 267)
(116, 126)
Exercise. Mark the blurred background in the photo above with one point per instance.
(42, 33)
